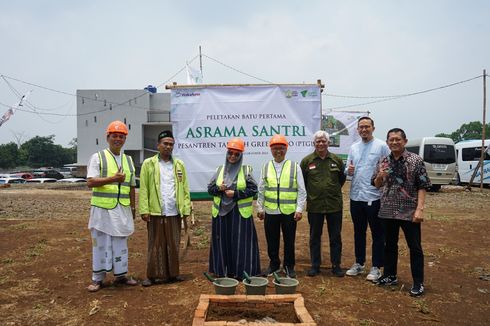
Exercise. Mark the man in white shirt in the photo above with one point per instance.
(365, 198)
(111, 176)
(280, 203)
(164, 200)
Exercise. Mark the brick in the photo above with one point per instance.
(300, 302)
(198, 322)
(201, 313)
(255, 298)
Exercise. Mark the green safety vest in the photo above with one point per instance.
(244, 205)
(284, 194)
(109, 195)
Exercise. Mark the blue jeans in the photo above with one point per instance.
(363, 214)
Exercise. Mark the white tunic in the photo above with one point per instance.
(167, 188)
(117, 221)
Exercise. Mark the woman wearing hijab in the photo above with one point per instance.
(234, 245)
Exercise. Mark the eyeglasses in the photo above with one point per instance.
(231, 153)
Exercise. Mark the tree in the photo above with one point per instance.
(41, 151)
(9, 154)
(470, 130)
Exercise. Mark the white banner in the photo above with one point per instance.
(205, 118)
(342, 127)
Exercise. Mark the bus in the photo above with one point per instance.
(439, 156)
(468, 153)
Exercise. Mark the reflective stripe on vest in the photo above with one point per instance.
(244, 205)
(287, 188)
(109, 195)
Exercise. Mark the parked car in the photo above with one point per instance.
(11, 180)
(23, 175)
(72, 180)
(68, 171)
(47, 173)
(41, 180)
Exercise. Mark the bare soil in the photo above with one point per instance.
(45, 267)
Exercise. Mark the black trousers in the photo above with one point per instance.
(273, 224)
(334, 224)
(413, 236)
(364, 213)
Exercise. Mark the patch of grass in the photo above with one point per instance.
(203, 243)
(20, 226)
(366, 322)
(37, 250)
(366, 301)
(422, 306)
(199, 231)
(7, 261)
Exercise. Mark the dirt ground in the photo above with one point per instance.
(45, 267)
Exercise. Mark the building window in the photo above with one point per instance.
(129, 102)
(124, 120)
(96, 141)
(83, 100)
(105, 102)
(86, 123)
(129, 126)
(110, 106)
(95, 119)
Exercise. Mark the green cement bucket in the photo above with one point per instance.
(257, 285)
(287, 285)
(225, 285)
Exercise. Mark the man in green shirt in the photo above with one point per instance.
(324, 177)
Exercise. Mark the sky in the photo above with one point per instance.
(358, 48)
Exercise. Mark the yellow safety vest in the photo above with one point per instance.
(109, 195)
(244, 205)
(284, 194)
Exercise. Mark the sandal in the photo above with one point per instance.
(125, 281)
(95, 286)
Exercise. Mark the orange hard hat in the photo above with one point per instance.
(278, 140)
(236, 144)
(117, 126)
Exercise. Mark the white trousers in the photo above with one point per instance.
(108, 254)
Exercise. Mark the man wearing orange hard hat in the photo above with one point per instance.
(280, 203)
(111, 175)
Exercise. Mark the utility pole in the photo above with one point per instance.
(200, 62)
(483, 136)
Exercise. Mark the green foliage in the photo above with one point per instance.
(470, 130)
(8, 155)
(37, 152)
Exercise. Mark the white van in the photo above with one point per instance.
(468, 153)
(68, 171)
(439, 156)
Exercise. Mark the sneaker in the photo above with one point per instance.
(387, 280)
(313, 272)
(337, 271)
(374, 274)
(270, 270)
(147, 282)
(417, 290)
(290, 272)
(356, 269)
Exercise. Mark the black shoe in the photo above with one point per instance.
(417, 290)
(290, 272)
(270, 270)
(174, 279)
(148, 282)
(313, 272)
(337, 271)
(387, 280)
